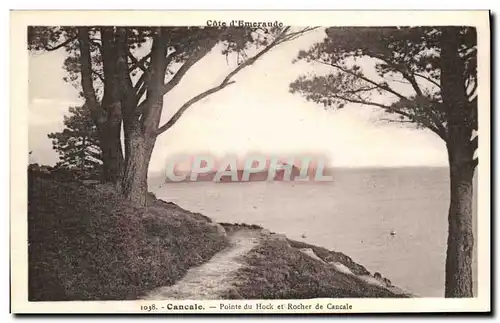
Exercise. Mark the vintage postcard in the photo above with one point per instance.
(251, 162)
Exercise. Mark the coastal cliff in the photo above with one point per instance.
(86, 243)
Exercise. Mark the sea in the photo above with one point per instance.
(354, 214)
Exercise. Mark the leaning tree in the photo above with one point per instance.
(123, 74)
(421, 75)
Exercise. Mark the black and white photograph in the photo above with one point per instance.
(251, 162)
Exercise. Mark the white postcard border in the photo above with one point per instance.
(19, 148)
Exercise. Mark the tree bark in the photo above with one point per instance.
(142, 133)
(112, 155)
(135, 179)
(111, 146)
(459, 282)
(459, 126)
(107, 115)
(129, 99)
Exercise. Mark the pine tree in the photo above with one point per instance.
(78, 143)
(430, 75)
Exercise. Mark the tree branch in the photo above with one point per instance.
(66, 42)
(283, 37)
(140, 88)
(396, 121)
(295, 35)
(473, 90)
(364, 78)
(390, 109)
(96, 73)
(418, 91)
(189, 103)
(366, 89)
(437, 123)
(428, 79)
(186, 66)
(227, 80)
(142, 84)
(86, 77)
(363, 102)
(137, 63)
(151, 110)
(438, 126)
(413, 82)
(95, 44)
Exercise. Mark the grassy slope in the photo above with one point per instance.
(89, 244)
(278, 270)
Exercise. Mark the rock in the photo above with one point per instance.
(309, 252)
(371, 280)
(265, 232)
(280, 237)
(219, 229)
(341, 267)
(382, 279)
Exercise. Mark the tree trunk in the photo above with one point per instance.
(112, 154)
(111, 103)
(135, 179)
(142, 133)
(128, 96)
(459, 282)
(459, 125)
(459, 255)
(106, 116)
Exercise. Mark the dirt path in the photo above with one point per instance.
(213, 278)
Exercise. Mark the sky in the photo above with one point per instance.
(256, 114)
